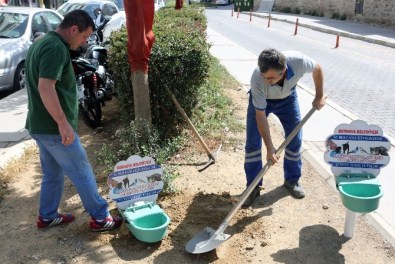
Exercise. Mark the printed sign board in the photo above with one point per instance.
(135, 179)
(357, 148)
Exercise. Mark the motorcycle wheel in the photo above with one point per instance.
(90, 111)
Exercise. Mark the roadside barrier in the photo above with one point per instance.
(296, 26)
(337, 41)
(269, 24)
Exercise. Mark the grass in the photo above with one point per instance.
(215, 109)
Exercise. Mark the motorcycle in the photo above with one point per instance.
(95, 48)
(94, 88)
(94, 82)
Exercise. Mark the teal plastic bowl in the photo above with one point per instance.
(150, 228)
(360, 197)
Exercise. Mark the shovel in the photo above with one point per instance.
(208, 239)
(211, 156)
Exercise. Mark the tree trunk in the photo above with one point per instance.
(141, 95)
(139, 22)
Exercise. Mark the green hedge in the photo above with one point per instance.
(179, 60)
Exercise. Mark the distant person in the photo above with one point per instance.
(273, 90)
(52, 122)
(3, 3)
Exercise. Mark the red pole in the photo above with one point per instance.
(268, 22)
(337, 41)
(238, 12)
(250, 15)
(296, 26)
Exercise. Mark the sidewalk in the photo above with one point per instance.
(240, 63)
(381, 36)
(13, 135)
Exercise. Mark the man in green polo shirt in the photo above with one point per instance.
(52, 122)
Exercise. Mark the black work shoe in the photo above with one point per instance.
(254, 194)
(295, 189)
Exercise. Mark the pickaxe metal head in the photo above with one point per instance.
(211, 159)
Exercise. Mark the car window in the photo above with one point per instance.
(12, 25)
(52, 19)
(119, 4)
(90, 9)
(38, 24)
(109, 9)
(68, 7)
(87, 7)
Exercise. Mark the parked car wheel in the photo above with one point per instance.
(20, 77)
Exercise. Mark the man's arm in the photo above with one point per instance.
(264, 130)
(49, 97)
(318, 77)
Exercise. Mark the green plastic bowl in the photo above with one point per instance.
(361, 197)
(150, 228)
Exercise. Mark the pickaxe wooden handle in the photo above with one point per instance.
(194, 130)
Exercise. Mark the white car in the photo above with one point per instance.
(119, 19)
(18, 25)
(107, 8)
(223, 2)
(116, 22)
(159, 4)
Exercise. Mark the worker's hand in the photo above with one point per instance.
(271, 155)
(319, 102)
(67, 133)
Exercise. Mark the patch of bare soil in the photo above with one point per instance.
(276, 229)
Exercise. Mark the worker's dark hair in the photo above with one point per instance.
(271, 59)
(79, 18)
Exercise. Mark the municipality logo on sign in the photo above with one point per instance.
(135, 179)
(357, 148)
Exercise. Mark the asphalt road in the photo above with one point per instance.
(359, 76)
(4, 94)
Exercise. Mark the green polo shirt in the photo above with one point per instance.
(49, 58)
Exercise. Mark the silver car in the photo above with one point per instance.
(18, 25)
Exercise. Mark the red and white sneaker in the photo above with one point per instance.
(109, 223)
(60, 220)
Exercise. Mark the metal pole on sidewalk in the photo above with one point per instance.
(238, 12)
(250, 15)
(232, 13)
(268, 22)
(296, 26)
(349, 224)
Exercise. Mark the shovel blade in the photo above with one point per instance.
(205, 241)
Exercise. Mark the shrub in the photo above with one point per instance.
(179, 61)
(335, 15)
(286, 9)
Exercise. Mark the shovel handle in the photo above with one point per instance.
(295, 131)
(184, 115)
(263, 171)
